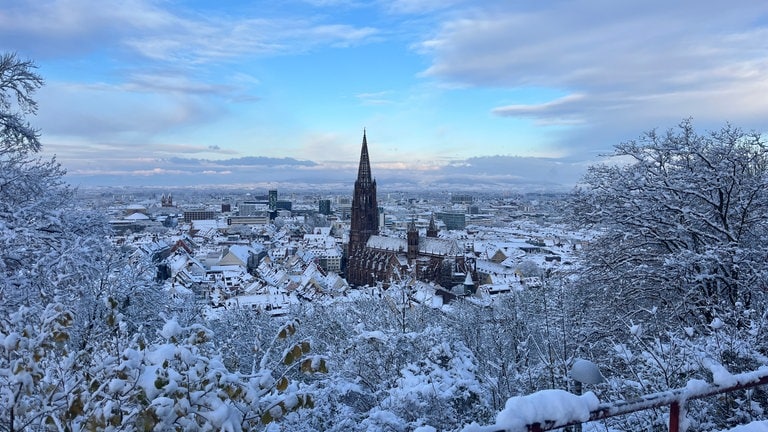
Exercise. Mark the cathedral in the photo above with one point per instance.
(365, 221)
(372, 258)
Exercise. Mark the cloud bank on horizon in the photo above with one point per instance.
(455, 93)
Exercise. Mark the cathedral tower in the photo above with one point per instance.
(413, 241)
(365, 219)
(432, 229)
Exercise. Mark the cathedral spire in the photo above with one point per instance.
(432, 229)
(364, 171)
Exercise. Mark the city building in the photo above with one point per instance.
(462, 199)
(166, 200)
(453, 220)
(282, 205)
(254, 219)
(273, 200)
(324, 206)
(191, 215)
(251, 208)
(344, 207)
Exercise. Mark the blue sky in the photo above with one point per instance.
(452, 93)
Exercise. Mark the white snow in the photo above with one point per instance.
(696, 386)
(387, 243)
(716, 324)
(170, 329)
(11, 341)
(586, 372)
(558, 406)
(720, 375)
(376, 335)
(758, 426)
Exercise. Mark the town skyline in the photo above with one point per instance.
(151, 93)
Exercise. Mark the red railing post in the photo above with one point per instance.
(536, 427)
(674, 416)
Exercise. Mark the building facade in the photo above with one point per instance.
(192, 215)
(272, 199)
(324, 206)
(453, 220)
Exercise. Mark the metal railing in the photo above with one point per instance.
(674, 398)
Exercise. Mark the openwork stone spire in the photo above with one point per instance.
(364, 171)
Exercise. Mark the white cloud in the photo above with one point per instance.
(559, 109)
(376, 98)
(478, 174)
(172, 83)
(630, 64)
(157, 32)
(419, 6)
(108, 112)
(60, 27)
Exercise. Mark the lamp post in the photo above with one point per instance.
(584, 372)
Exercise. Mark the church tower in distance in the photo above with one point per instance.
(365, 220)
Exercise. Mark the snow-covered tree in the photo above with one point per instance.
(682, 220)
(498, 337)
(82, 346)
(40, 259)
(679, 255)
(383, 378)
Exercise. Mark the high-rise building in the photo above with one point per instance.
(453, 220)
(324, 206)
(191, 215)
(251, 208)
(283, 205)
(365, 219)
(273, 200)
(344, 207)
(462, 199)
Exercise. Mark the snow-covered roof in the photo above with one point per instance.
(438, 246)
(137, 216)
(272, 297)
(427, 245)
(393, 244)
(241, 252)
(227, 269)
(325, 231)
(177, 262)
(490, 267)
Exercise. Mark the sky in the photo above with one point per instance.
(452, 94)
